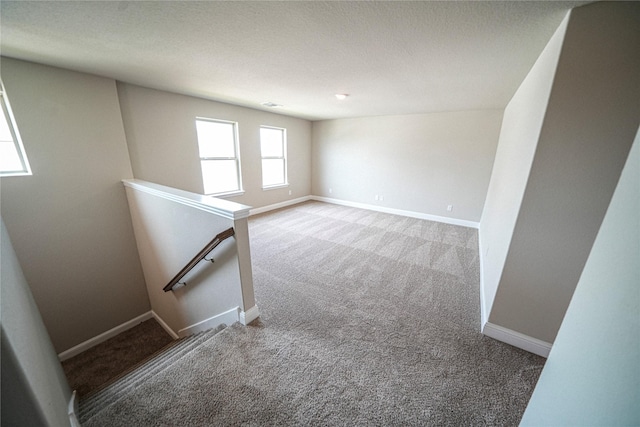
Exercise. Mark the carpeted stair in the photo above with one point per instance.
(92, 404)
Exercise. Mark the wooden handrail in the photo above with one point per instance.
(210, 246)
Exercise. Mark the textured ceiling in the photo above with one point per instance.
(391, 57)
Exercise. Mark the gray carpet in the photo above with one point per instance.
(137, 377)
(92, 369)
(366, 319)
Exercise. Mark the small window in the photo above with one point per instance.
(273, 146)
(218, 143)
(13, 159)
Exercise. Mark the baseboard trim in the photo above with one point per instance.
(92, 342)
(263, 209)
(229, 317)
(483, 308)
(401, 212)
(393, 211)
(250, 315)
(73, 410)
(164, 325)
(516, 339)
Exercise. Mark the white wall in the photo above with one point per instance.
(70, 222)
(588, 129)
(162, 140)
(592, 376)
(419, 163)
(171, 227)
(519, 135)
(34, 388)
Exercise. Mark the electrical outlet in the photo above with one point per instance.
(289, 192)
(330, 190)
(377, 197)
(449, 208)
(381, 198)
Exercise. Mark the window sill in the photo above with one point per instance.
(225, 195)
(275, 187)
(22, 173)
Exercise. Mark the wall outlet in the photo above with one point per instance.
(381, 198)
(330, 190)
(377, 197)
(449, 208)
(289, 192)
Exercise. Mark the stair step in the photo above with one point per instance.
(114, 390)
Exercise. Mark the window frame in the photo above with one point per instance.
(236, 158)
(7, 112)
(285, 183)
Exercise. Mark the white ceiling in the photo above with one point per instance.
(391, 57)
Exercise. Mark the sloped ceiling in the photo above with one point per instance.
(390, 57)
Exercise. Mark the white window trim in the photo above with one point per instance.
(240, 189)
(284, 157)
(5, 106)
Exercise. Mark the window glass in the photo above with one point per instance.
(219, 161)
(219, 176)
(273, 146)
(272, 172)
(271, 142)
(13, 159)
(216, 139)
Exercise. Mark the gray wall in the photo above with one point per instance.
(419, 163)
(34, 388)
(169, 234)
(588, 128)
(519, 135)
(593, 371)
(161, 134)
(69, 222)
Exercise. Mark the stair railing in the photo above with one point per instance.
(199, 257)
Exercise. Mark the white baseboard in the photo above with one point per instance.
(484, 316)
(275, 206)
(250, 315)
(73, 410)
(164, 325)
(228, 318)
(73, 351)
(516, 339)
(410, 214)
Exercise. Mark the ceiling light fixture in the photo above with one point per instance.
(271, 104)
(342, 96)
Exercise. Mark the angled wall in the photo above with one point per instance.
(69, 222)
(34, 388)
(592, 375)
(521, 125)
(587, 131)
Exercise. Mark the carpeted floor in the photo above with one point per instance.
(366, 319)
(91, 369)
